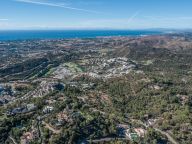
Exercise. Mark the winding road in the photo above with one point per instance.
(107, 139)
(170, 138)
(51, 128)
(13, 140)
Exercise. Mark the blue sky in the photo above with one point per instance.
(95, 14)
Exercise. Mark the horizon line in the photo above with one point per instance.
(57, 29)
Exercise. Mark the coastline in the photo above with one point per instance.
(70, 34)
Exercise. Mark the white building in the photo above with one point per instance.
(48, 109)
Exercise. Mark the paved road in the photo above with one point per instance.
(108, 139)
(13, 140)
(171, 139)
(51, 128)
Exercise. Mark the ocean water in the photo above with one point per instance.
(61, 34)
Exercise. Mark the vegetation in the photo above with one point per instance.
(124, 85)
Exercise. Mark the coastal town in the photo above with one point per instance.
(97, 90)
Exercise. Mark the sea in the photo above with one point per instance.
(7, 35)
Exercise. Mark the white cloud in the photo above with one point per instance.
(133, 16)
(55, 5)
(2, 19)
(176, 18)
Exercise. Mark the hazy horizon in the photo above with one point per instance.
(98, 29)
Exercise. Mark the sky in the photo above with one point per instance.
(95, 14)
